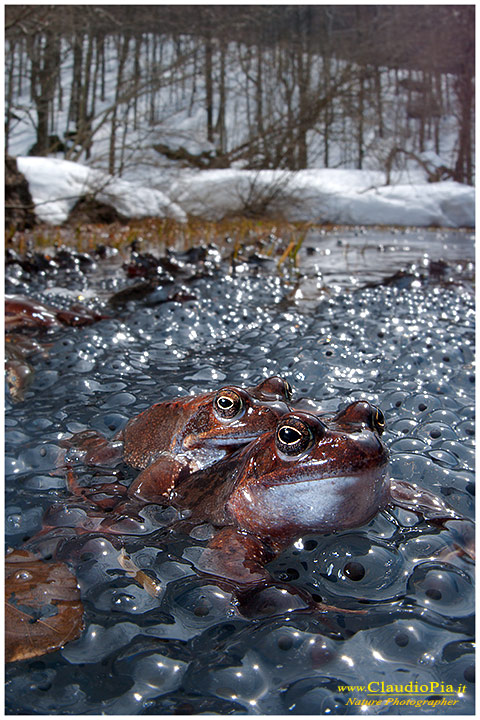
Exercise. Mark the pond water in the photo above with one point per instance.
(376, 314)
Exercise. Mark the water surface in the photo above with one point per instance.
(386, 315)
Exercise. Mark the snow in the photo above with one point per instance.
(347, 197)
(56, 185)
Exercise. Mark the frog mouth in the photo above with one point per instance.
(192, 442)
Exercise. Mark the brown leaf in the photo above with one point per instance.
(43, 610)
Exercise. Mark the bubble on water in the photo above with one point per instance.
(208, 374)
(315, 697)
(130, 599)
(421, 549)
(159, 672)
(171, 570)
(465, 455)
(44, 482)
(158, 516)
(15, 437)
(443, 457)
(408, 445)
(110, 422)
(61, 515)
(402, 426)
(202, 532)
(118, 400)
(45, 379)
(467, 412)
(465, 431)
(23, 575)
(246, 683)
(203, 605)
(154, 675)
(433, 431)
(14, 466)
(421, 403)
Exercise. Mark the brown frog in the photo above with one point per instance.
(310, 474)
(24, 312)
(305, 475)
(174, 438)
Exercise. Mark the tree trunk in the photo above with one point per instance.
(304, 120)
(136, 79)
(379, 97)
(209, 86)
(45, 62)
(360, 119)
(74, 108)
(11, 54)
(259, 105)
(464, 91)
(124, 44)
(220, 124)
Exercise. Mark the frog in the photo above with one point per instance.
(175, 438)
(312, 473)
(306, 475)
(24, 312)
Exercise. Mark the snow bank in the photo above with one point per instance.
(56, 185)
(347, 197)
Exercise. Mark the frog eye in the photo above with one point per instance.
(293, 436)
(378, 420)
(228, 404)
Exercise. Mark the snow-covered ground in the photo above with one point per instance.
(56, 185)
(347, 197)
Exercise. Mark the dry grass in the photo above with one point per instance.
(276, 239)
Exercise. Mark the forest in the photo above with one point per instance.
(250, 86)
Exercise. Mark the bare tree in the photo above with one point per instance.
(270, 79)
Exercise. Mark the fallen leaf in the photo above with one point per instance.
(43, 610)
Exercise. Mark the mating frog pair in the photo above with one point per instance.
(261, 472)
(258, 470)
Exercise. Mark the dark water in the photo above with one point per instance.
(337, 335)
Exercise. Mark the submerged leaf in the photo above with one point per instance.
(43, 610)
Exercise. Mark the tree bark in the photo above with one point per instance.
(124, 44)
(209, 86)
